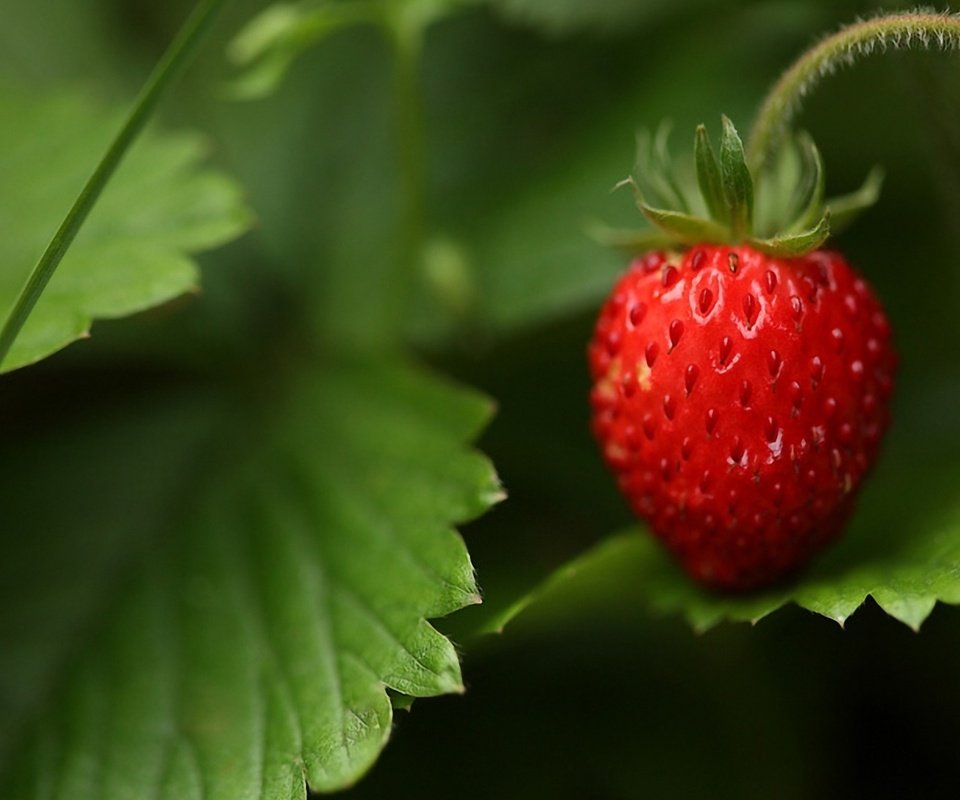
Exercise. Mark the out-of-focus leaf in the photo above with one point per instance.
(529, 239)
(607, 16)
(25, 39)
(134, 251)
(271, 41)
(188, 618)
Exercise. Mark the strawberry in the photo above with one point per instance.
(740, 395)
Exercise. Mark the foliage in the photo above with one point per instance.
(134, 252)
(281, 585)
(228, 522)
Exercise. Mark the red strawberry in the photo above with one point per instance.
(741, 398)
(740, 395)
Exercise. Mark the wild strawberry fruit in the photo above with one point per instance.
(740, 395)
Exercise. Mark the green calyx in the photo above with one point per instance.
(780, 211)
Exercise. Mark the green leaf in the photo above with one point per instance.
(708, 177)
(737, 182)
(133, 252)
(220, 598)
(796, 244)
(907, 560)
(846, 208)
(270, 42)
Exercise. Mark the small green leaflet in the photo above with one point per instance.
(224, 617)
(134, 251)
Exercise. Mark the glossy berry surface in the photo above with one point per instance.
(740, 399)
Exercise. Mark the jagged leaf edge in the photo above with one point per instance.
(488, 494)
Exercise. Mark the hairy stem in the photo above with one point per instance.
(169, 66)
(913, 30)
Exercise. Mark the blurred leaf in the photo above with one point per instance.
(268, 45)
(607, 16)
(271, 41)
(221, 613)
(25, 39)
(528, 233)
(905, 555)
(133, 252)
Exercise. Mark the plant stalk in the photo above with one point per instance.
(410, 140)
(913, 30)
(171, 64)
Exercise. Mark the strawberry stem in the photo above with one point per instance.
(914, 30)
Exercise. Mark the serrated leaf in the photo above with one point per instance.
(218, 609)
(796, 244)
(708, 177)
(134, 251)
(907, 561)
(737, 182)
(846, 208)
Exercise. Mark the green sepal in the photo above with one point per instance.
(782, 212)
(845, 208)
(630, 241)
(794, 244)
(708, 177)
(736, 180)
(810, 196)
(664, 166)
(685, 228)
(652, 166)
